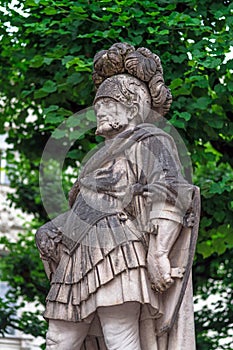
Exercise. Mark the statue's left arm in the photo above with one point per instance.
(161, 242)
(170, 195)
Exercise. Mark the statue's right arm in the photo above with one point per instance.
(48, 241)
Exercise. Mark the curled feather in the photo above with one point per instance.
(140, 66)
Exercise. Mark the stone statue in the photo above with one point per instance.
(119, 260)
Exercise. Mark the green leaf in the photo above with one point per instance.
(205, 222)
(67, 59)
(78, 63)
(37, 61)
(138, 39)
(185, 115)
(64, 112)
(48, 60)
(191, 21)
(31, 2)
(73, 121)
(50, 11)
(74, 154)
(205, 249)
(229, 64)
(220, 89)
(59, 134)
(175, 83)
(51, 108)
(215, 122)
(230, 86)
(178, 123)
(90, 115)
(78, 9)
(163, 32)
(40, 94)
(75, 78)
(179, 59)
(212, 62)
(229, 235)
(26, 93)
(54, 118)
(202, 102)
(219, 246)
(199, 80)
(114, 9)
(76, 135)
(215, 188)
(49, 86)
(151, 30)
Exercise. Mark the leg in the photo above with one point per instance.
(148, 336)
(120, 325)
(64, 335)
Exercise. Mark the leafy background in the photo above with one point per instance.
(47, 48)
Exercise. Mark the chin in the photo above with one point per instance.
(103, 130)
(109, 129)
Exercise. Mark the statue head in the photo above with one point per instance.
(131, 97)
(134, 79)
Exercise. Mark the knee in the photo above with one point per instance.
(64, 335)
(52, 341)
(61, 341)
(120, 326)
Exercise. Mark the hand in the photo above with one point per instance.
(159, 271)
(47, 242)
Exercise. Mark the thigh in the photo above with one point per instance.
(120, 325)
(64, 335)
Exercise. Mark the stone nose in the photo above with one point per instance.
(101, 112)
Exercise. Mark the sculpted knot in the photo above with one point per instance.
(142, 64)
(110, 62)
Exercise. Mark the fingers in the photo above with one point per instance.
(162, 285)
(167, 280)
(159, 276)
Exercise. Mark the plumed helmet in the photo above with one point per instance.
(132, 76)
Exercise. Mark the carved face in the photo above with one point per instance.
(112, 117)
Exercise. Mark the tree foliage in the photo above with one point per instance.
(47, 48)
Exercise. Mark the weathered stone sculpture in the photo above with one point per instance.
(119, 261)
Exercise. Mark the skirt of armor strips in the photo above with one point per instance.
(101, 273)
